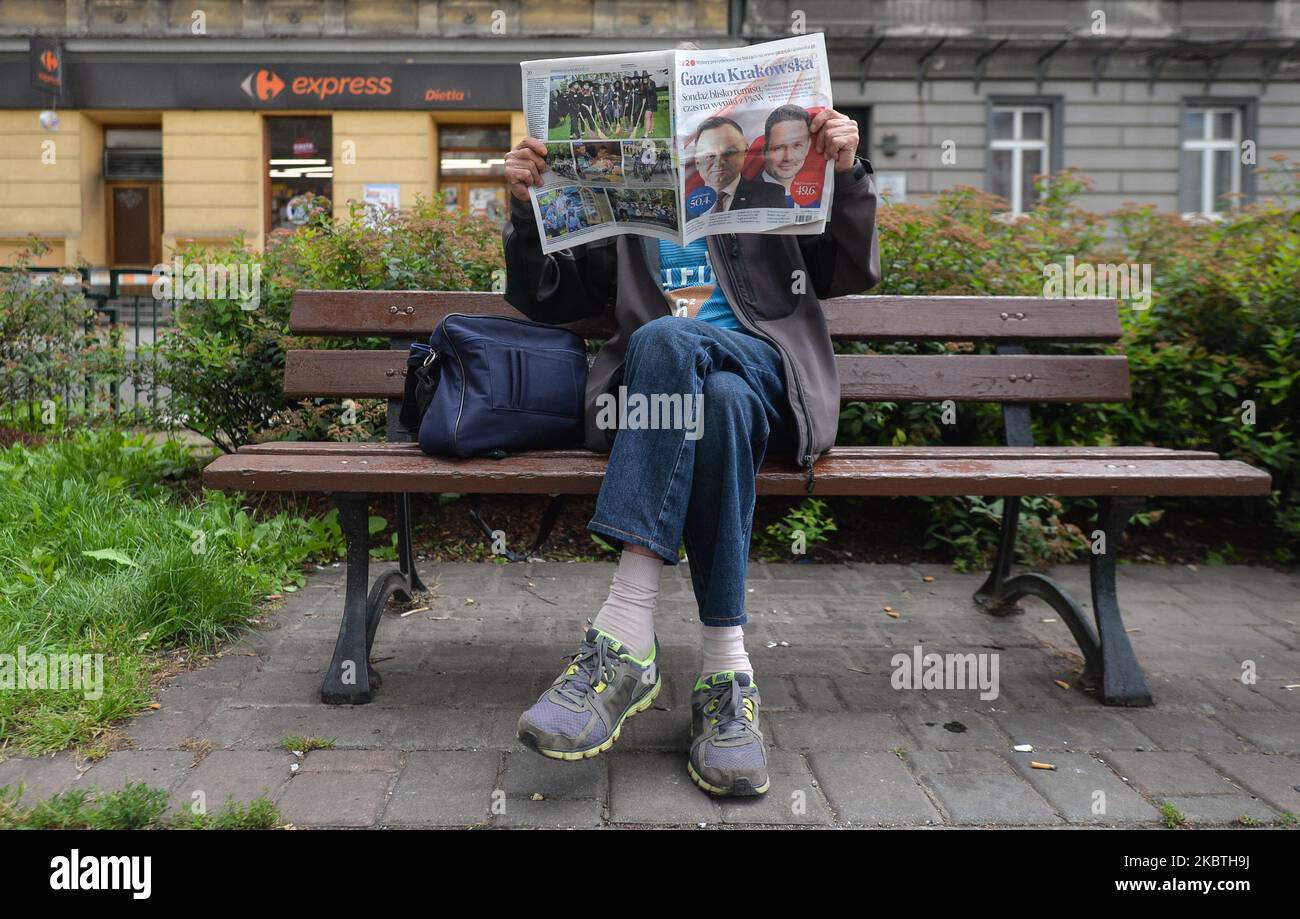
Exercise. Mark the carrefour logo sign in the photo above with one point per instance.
(263, 85)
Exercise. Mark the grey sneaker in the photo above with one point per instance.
(728, 753)
(583, 712)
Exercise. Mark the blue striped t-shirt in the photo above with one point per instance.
(686, 278)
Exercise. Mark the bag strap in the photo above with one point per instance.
(421, 384)
(554, 507)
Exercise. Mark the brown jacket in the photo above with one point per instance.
(759, 274)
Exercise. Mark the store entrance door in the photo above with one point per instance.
(480, 200)
(134, 224)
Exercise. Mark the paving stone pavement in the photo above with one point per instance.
(437, 746)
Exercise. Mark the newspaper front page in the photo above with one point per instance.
(610, 151)
(680, 144)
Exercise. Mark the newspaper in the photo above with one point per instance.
(680, 144)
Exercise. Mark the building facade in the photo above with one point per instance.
(208, 120)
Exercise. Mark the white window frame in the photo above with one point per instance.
(1207, 146)
(1018, 144)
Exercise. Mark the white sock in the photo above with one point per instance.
(723, 649)
(629, 612)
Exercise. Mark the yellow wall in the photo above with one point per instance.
(40, 186)
(213, 182)
(518, 128)
(401, 148)
(93, 244)
(391, 148)
(212, 177)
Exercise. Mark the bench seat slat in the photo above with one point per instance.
(368, 449)
(527, 474)
(380, 374)
(415, 313)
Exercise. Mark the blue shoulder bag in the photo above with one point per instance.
(491, 385)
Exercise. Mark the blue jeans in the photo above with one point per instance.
(662, 486)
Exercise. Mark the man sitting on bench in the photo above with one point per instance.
(742, 336)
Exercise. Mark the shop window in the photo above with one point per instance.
(472, 168)
(299, 162)
(132, 170)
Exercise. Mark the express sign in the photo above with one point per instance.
(259, 85)
(265, 85)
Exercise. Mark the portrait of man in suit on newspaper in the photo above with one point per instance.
(720, 150)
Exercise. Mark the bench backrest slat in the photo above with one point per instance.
(415, 313)
(869, 377)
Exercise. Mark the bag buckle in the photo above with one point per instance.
(433, 356)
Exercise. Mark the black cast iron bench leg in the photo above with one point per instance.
(405, 547)
(1122, 680)
(1111, 668)
(351, 679)
(348, 681)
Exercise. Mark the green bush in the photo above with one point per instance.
(224, 363)
(50, 350)
(1222, 329)
(969, 526)
(803, 527)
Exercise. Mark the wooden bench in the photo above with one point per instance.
(358, 474)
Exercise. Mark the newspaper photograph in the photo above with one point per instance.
(743, 137)
(680, 144)
(607, 123)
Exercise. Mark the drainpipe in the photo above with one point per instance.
(736, 17)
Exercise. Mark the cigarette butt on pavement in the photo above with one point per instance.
(1034, 765)
(1062, 684)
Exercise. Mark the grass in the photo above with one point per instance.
(133, 807)
(1171, 816)
(98, 558)
(297, 744)
(259, 814)
(563, 131)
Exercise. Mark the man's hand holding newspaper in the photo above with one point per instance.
(835, 137)
(681, 144)
(524, 167)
